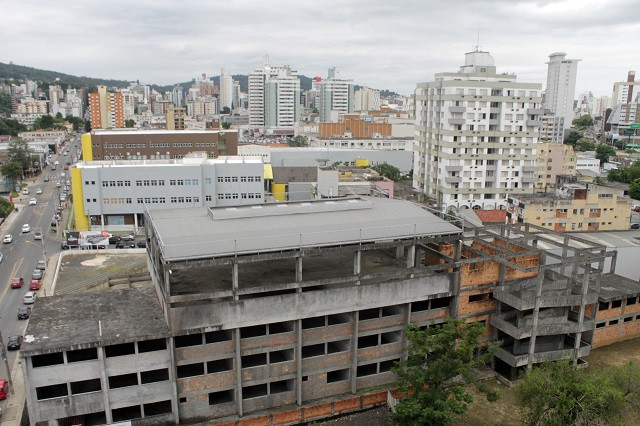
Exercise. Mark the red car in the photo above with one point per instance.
(35, 285)
(17, 282)
(66, 167)
(4, 388)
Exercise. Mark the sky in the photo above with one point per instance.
(382, 44)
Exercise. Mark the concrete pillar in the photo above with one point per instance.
(234, 281)
(355, 317)
(399, 252)
(299, 269)
(456, 279)
(534, 324)
(101, 221)
(407, 321)
(411, 256)
(298, 355)
(135, 222)
(238, 366)
(585, 289)
(105, 383)
(614, 258)
(173, 377)
(357, 259)
(29, 391)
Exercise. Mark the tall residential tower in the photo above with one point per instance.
(561, 87)
(336, 97)
(107, 109)
(226, 90)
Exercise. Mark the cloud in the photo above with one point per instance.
(382, 44)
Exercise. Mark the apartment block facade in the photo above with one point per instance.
(106, 109)
(476, 136)
(336, 97)
(561, 86)
(554, 159)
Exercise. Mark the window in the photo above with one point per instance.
(221, 397)
(51, 391)
(338, 375)
(254, 360)
(120, 350)
(85, 386)
(153, 376)
(82, 355)
(207, 197)
(190, 370)
(188, 340)
(152, 345)
(123, 380)
(613, 322)
(219, 365)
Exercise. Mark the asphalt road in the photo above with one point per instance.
(22, 255)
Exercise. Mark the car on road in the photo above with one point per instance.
(636, 207)
(46, 180)
(29, 297)
(128, 237)
(66, 246)
(68, 162)
(37, 274)
(37, 235)
(66, 167)
(25, 191)
(58, 184)
(1, 257)
(16, 282)
(53, 168)
(142, 244)
(14, 342)
(33, 201)
(7, 239)
(42, 265)
(125, 244)
(35, 285)
(39, 191)
(26, 228)
(4, 388)
(24, 312)
(56, 162)
(114, 239)
(635, 226)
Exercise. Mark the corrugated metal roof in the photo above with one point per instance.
(193, 233)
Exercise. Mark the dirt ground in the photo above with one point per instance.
(81, 270)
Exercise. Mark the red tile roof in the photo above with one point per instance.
(492, 216)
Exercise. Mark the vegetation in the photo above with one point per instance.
(11, 170)
(226, 125)
(5, 207)
(226, 110)
(583, 122)
(437, 355)
(129, 123)
(585, 144)
(557, 393)
(87, 126)
(11, 127)
(388, 171)
(299, 140)
(634, 189)
(599, 181)
(5, 104)
(573, 138)
(625, 174)
(603, 152)
(21, 72)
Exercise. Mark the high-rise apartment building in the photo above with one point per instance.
(367, 99)
(107, 109)
(55, 97)
(274, 96)
(336, 97)
(623, 91)
(477, 135)
(235, 99)
(174, 117)
(226, 90)
(561, 86)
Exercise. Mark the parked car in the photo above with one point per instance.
(113, 239)
(35, 285)
(4, 388)
(37, 274)
(39, 191)
(125, 244)
(142, 244)
(56, 162)
(66, 167)
(42, 265)
(65, 246)
(16, 282)
(33, 201)
(26, 228)
(636, 207)
(29, 297)
(25, 191)
(128, 237)
(1, 257)
(635, 226)
(24, 312)
(7, 239)
(45, 180)
(14, 342)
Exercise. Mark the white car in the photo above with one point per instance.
(39, 191)
(25, 191)
(56, 162)
(1, 257)
(29, 297)
(7, 239)
(33, 202)
(26, 228)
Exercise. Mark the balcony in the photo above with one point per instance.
(522, 295)
(529, 179)
(535, 111)
(453, 179)
(522, 329)
(529, 168)
(521, 360)
(456, 121)
(494, 121)
(453, 168)
(533, 122)
(457, 109)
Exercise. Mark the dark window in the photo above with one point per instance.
(339, 346)
(152, 376)
(217, 336)
(123, 380)
(254, 360)
(338, 319)
(313, 322)
(280, 356)
(255, 331)
(442, 302)
(312, 350)
(480, 297)
(126, 413)
(613, 322)
(366, 370)
(369, 314)
(152, 345)
(281, 386)
(249, 392)
(190, 370)
(627, 319)
(391, 310)
(188, 340)
(155, 408)
(51, 391)
(616, 304)
(338, 375)
(183, 400)
(220, 397)
(85, 386)
(219, 365)
(386, 365)
(367, 341)
(280, 327)
(632, 301)
(603, 306)
(601, 324)
(120, 350)
(47, 359)
(422, 305)
(391, 337)
(82, 355)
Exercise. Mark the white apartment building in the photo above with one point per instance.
(274, 96)
(476, 135)
(587, 162)
(336, 97)
(226, 90)
(378, 144)
(623, 91)
(561, 87)
(366, 100)
(600, 106)
(551, 128)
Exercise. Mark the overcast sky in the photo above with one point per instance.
(384, 44)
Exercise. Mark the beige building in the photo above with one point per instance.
(174, 117)
(554, 159)
(575, 206)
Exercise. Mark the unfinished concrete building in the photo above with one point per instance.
(291, 312)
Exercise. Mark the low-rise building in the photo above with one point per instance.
(387, 144)
(554, 159)
(617, 313)
(587, 162)
(308, 156)
(574, 206)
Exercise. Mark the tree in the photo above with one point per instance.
(18, 151)
(5, 207)
(44, 122)
(603, 152)
(573, 138)
(87, 126)
(11, 127)
(226, 125)
(388, 171)
(13, 171)
(557, 393)
(634, 189)
(583, 122)
(437, 355)
(599, 181)
(299, 141)
(585, 144)
(225, 110)
(59, 115)
(129, 123)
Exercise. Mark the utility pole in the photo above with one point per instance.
(3, 354)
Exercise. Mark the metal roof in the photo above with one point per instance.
(194, 233)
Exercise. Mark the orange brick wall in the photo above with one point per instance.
(622, 330)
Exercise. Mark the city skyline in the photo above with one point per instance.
(377, 44)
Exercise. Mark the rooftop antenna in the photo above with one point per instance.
(478, 47)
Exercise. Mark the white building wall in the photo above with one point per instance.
(561, 86)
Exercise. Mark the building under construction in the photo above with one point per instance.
(291, 312)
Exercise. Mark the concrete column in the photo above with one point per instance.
(238, 365)
(354, 350)
(357, 259)
(299, 269)
(407, 321)
(101, 221)
(105, 384)
(411, 256)
(399, 252)
(585, 288)
(29, 391)
(614, 258)
(298, 355)
(173, 378)
(234, 281)
(534, 325)
(135, 222)
(456, 279)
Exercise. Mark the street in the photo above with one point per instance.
(22, 255)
